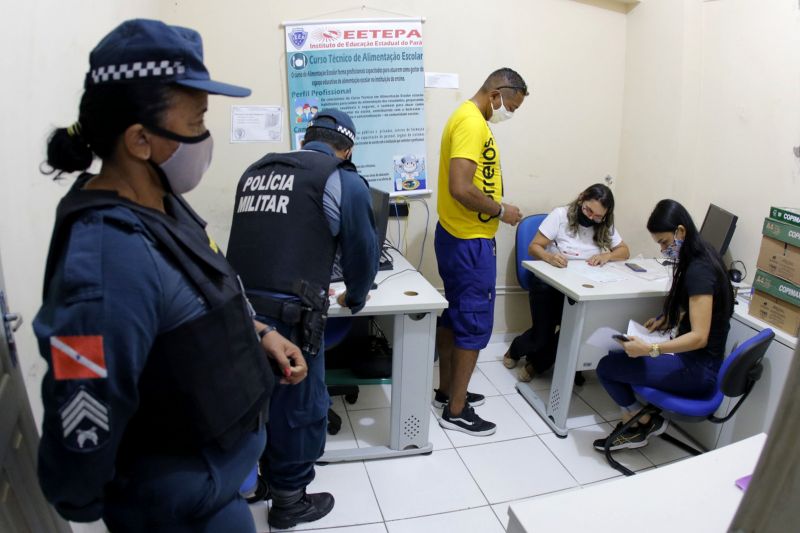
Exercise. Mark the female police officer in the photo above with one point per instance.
(157, 387)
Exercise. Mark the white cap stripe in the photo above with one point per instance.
(138, 69)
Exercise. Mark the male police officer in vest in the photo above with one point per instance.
(292, 212)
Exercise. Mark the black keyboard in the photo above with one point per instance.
(386, 262)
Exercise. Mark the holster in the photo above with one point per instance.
(307, 317)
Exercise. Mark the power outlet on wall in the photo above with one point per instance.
(398, 209)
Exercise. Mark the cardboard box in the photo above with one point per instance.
(777, 287)
(788, 215)
(781, 231)
(782, 315)
(779, 259)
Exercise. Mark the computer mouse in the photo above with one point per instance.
(735, 275)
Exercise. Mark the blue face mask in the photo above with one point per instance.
(674, 249)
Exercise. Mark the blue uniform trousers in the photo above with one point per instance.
(298, 420)
(185, 494)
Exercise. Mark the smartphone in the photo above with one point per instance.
(622, 338)
(635, 267)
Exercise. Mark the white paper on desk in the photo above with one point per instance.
(603, 338)
(595, 273)
(637, 330)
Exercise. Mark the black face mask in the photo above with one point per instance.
(585, 221)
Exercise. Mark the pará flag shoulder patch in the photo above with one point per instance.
(78, 357)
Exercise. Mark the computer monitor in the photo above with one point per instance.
(718, 227)
(380, 209)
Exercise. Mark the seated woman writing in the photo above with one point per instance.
(581, 230)
(699, 303)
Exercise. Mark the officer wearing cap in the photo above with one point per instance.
(158, 383)
(307, 205)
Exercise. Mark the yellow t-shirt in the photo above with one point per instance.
(467, 135)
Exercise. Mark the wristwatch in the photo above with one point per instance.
(501, 212)
(655, 350)
(263, 332)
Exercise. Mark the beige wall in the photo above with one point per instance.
(711, 114)
(683, 98)
(565, 136)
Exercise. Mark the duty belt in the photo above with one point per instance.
(287, 311)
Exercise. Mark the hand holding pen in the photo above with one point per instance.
(653, 324)
(557, 259)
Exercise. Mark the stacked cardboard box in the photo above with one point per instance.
(776, 299)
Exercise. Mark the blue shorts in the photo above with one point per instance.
(468, 268)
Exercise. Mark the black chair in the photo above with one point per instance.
(336, 330)
(737, 376)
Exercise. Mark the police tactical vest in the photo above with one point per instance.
(278, 213)
(207, 381)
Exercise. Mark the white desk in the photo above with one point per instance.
(593, 304)
(410, 303)
(693, 495)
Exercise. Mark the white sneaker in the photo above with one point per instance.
(508, 361)
(525, 373)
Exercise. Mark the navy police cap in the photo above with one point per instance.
(335, 120)
(149, 50)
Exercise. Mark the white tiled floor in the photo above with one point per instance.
(467, 483)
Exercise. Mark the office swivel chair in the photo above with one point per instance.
(254, 488)
(526, 231)
(737, 376)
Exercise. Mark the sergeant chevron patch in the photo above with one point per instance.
(84, 421)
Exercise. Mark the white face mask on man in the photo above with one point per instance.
(500, 114)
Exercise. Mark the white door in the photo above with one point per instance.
(22, 505)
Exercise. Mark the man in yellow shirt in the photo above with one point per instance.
(470, 209)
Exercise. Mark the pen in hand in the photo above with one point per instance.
(558, 259)
(654, 323)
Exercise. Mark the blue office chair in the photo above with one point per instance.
(254, 488)
(737, 376)
(526, 231)
(336, 329)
